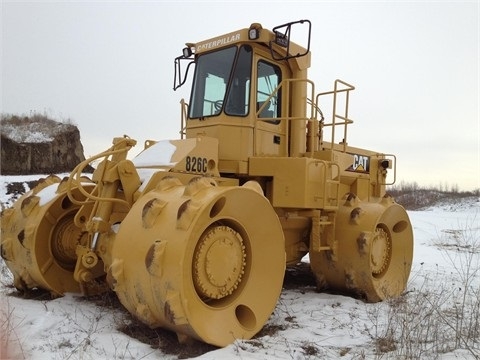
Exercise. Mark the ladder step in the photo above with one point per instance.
(323, 232)
(331, 208)
(325, 222)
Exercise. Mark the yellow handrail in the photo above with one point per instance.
(312, 107)
(313, 111)
(183, 115)
(335, 115)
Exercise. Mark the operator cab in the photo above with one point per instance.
(238, 95)
(231, 69)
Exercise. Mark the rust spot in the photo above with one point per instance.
(362, 243)
(150, 212)
(168, 182)
(62, 186)
(26, 202)
(350, 199)
(197, 184)
(194, 180)
(355, 213)
(147, 207)
(29, 204)
(149, 256)
(21, 236)
(182, 209)
(168, 313)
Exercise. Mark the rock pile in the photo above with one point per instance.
(38, 145)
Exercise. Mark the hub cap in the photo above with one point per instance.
(219, 262)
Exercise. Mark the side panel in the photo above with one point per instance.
(270, 143)
(235, 147)
(297, 182)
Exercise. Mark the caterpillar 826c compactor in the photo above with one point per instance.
(194, 234)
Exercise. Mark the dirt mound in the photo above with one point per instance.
(38, 145)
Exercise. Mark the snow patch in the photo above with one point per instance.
(31, 132)
(47, 194)
(159, 154)
(304, 325)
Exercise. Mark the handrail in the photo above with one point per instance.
(283, 84)
(286, 85)
(183, 118)
(315, 111)
(329, 181)
(346, 121)
(314, 136)
(394, 169)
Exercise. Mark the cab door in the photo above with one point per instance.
(269, 106)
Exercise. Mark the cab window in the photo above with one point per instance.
(210, 82)
(269, 77)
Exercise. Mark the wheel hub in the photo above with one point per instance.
(66, 236)
(219, 262)
(381, 252)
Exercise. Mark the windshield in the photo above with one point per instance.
(210, 85)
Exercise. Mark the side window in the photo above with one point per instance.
(269, 77)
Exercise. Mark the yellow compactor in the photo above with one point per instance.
(194, 234)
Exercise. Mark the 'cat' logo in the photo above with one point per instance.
(361, 163)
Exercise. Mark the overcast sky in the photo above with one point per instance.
(108, 66)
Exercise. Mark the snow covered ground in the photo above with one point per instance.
(437, 318)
